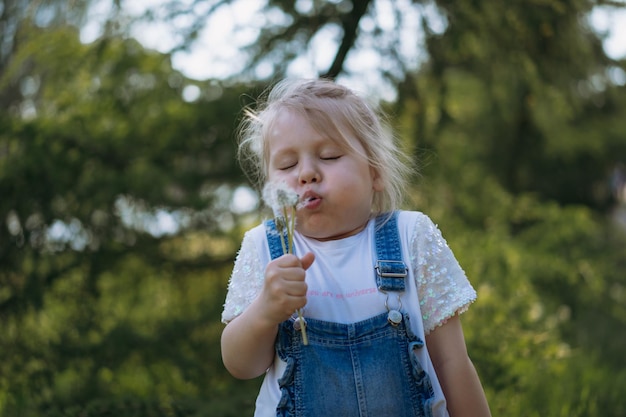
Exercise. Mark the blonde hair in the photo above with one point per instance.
(336, 112)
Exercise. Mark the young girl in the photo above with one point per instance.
(379, 289)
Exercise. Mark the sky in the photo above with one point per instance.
(606, 20)
(215, 53)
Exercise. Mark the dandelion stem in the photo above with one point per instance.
(280, 226)
(292, 227)
(305, 339)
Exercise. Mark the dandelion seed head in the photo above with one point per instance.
(287, 198)
(278, 196)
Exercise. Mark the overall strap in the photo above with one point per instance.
(273, 239)
(390, 268)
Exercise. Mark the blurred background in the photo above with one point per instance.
(122, 206)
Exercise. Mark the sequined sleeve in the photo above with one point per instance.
(246, 279)
(443, 288)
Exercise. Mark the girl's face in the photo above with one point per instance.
(335, 183)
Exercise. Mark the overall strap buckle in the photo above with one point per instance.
(391, 271)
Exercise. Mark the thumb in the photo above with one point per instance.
(307, 260)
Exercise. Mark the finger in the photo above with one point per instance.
(295, 288)
(287, 260)
(307, 260)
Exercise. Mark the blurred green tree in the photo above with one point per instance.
(111, 161)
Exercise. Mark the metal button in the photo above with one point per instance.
(394, 317)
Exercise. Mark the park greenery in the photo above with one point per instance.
(516, 122)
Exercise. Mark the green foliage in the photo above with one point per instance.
(547, 330)
(96, 301)
(127, 408)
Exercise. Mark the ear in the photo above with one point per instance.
(377, 182)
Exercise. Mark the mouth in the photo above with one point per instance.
(309, 200)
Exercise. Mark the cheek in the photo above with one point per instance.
(281, 177)
(272, 173)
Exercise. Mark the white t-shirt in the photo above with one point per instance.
(342, 287)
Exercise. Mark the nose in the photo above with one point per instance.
(309, 172)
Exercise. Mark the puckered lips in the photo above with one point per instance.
(310, 200)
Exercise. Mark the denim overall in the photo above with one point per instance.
(361, 369)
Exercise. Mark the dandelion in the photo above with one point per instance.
(284, 202)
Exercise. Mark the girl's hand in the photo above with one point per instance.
(284, 289)
(248, 340)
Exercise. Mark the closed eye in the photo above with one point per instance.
(286, 167)
(330, 158)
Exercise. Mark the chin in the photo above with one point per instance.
(318, 233)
